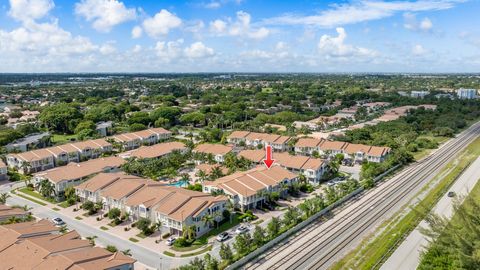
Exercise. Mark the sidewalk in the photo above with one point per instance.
(407, 255)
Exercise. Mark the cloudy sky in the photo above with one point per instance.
(239, 35)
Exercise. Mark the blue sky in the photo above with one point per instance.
(239, 36)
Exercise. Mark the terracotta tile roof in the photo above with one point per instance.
(143, 134)
(155, 151)
(289, 161)
(100, 181)
(313, 164)
(80, 170)
(333, 145)
(112, 262)
(378, 151)
(309, 142)
(28, 228)
(124, 187)
(40, 154)
(7, 211)
(256, 156)
(215, 149)
(250, 182)
(238, 134)
(353, 148)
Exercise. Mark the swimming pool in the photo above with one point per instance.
(182, 183)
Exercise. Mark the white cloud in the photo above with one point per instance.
(198, 50)
(360, 11)
(215, 4)
(104, 14)
(418, 50)
(335, 47)
(107, 48)
(137, 32)
(169, 50)
(218, 26)
(411, 23)
(161, 23)
(137, 48)
(23, 10)
(426, 24)
(241, 27)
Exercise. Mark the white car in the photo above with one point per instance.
(58, 221)
(241, 229)
(170, 241)
(223, 236)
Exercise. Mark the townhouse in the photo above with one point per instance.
(218, 151)
(40, 246)
(47, 158)
(255, 139)
(75, 173)
(141, 198)
(3, 171)
(356, 153)
(136, 139)
(248, 189)
(312, 168)
(155, 151)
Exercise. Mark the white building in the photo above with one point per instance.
(467, 93)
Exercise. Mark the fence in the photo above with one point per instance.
(243, 261)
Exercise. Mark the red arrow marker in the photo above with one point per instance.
(268, 161)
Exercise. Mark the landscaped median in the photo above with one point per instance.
(374, 250)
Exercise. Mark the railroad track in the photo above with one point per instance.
(364, 216)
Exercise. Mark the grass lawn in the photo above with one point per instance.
(61, 139)
(104, 228)
(425, 152)
(225, 226)
(209, 248)
(135, 240)
(36, 195)
(55, 209)
(64, 204)
(78, 218)
(373, 251)
(31, 199)
(169, 254)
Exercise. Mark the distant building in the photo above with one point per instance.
(104, 128)
(467, 93)
(34, 141)
(419, 94)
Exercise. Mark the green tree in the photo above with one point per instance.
(226, 252)
(60, 117)
(114, 213)
(273, 227)
(4, 197)
(258, 236)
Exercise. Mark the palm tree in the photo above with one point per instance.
(231, 208)
(158, 227)
(127, 252)
(63, 229)
(92, 239)
(216, 215)
(216, 173)
(46, 188)
(4, 197)
(208, 220)
(202, 175)
(189, 232)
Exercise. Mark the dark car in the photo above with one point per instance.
(451, 194)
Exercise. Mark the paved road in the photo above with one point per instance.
(407, 255)
(143, 255)
(321, 244)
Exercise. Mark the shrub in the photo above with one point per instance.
(114, 213)
(165, 236)
(182, 242)
(111, 248)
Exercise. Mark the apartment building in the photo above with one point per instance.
(247, 189)
(467, 93)
(47, 158)
(33, 141)
(218, 151)
(254, 139)
(312, 168)
(40, 246)
(75, 173)
(175, 207)
(136, 139)
(355, 152)
(3, 171)
(155, 151)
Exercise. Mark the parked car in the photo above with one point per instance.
(58, 221)
(223, 236)
(241, 229)
(451, 194)
(170, 241)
